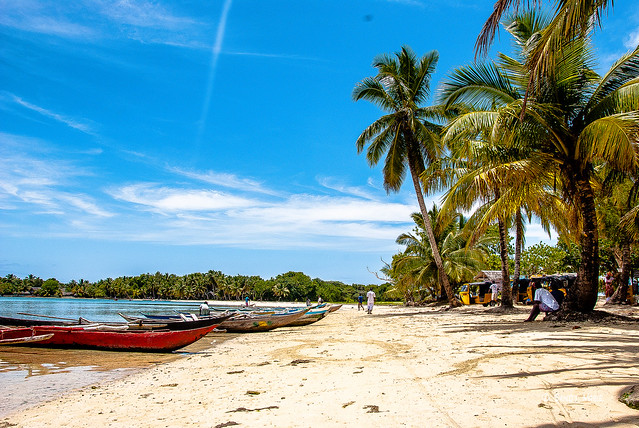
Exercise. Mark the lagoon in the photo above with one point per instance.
(92, 309)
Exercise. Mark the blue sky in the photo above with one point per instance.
(182, 136)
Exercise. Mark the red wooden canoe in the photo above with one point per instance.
(120, 340)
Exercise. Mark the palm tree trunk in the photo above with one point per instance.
(452, 301)
(583, 296)
(506, 295)
(621, 293)
(519, 233)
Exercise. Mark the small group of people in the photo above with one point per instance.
(370, 300)
(544, 300)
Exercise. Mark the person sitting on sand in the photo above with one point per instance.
(542, 302)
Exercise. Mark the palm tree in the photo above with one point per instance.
(400, 87)
(573, 19)
(575, 121)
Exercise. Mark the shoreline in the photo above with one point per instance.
(401, 365)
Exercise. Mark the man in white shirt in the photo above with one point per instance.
(371, 300)
(543, 301)
(204, 309)
(494, 292)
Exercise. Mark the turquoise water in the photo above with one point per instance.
(91, 309)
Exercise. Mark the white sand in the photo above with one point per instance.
(397, 367)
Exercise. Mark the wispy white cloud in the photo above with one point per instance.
(36, 17)
(334, 184)
(142, 13)
(170, 200)
(90, 20)
(84, 204)
(80, 125)
(227, 180)
(32, 179)
(632, 41)
(245, 214)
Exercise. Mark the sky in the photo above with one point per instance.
(186, 136)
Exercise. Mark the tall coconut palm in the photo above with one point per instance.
(575, 120)
(405, 134)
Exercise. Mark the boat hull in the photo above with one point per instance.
(128, 340)
(253, 324)
(16, 336)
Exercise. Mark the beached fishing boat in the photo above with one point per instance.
(117, 340)
(247, 323)
(333, 308)
(179, 323)
(15, 336)
(310, 317)
(133, 324)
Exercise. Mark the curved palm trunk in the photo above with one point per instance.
(583, 297)
(431, 237)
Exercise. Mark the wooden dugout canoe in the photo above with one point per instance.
(310, 317)
(252, 324)
(118, 340)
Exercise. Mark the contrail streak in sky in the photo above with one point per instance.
(217, 48)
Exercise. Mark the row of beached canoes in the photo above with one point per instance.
(151, 333)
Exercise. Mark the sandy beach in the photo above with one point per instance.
(412, 367)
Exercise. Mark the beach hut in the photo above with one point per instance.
(488, 275)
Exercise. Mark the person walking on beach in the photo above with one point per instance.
(247, 300)
(542, 302)
(360, 301)
(370, 296)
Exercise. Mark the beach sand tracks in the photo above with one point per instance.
(338, 351)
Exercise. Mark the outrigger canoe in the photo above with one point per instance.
(247, 323)
(310, 317)
(117, 340)
(16, 336)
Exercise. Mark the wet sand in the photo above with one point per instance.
(29, 376)
(398, 367)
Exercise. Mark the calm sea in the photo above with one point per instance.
(91, 309)
(32, 375)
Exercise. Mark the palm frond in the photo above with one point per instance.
(613, 139)
(480, 85)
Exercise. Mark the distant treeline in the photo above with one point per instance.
(212, 285)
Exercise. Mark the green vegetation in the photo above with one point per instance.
(290, 286)
(535, 134)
